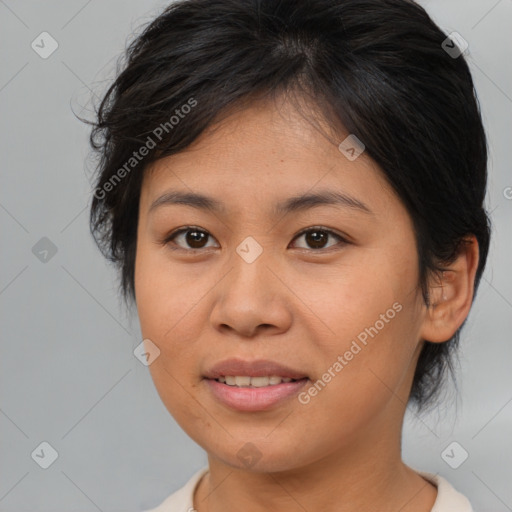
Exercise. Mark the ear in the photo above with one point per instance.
(451, 294)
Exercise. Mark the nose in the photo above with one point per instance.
(251, 299)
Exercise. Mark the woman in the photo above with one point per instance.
(294, 194)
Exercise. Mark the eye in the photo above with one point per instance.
(316, 237)
(194, 237)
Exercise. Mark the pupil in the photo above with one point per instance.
(315, 238)
(194, 237)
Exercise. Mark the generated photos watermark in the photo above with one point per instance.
(143, 151)
(355, 348)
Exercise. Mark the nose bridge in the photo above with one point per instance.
(249, 293)
(250, 277)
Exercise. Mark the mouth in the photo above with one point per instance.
(253, 385)
(240, 370)
(245, 381)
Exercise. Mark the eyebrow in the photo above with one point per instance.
(293, 204)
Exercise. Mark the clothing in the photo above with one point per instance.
(448, 498)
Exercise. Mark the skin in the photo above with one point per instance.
(295, 304)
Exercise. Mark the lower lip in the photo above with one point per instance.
(254, 399)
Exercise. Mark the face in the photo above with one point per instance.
(322, 291)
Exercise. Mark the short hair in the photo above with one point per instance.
(377, 68)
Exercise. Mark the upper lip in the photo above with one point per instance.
(256, 368)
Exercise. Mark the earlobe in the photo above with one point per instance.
(451, 294)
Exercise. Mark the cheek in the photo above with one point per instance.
(351, 296)
(370, 319)
(169, 309)
(163, 294)
(165, 305)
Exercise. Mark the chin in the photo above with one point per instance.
(259, 455)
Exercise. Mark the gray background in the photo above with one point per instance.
(68, 373)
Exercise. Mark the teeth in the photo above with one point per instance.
(256, 382)
(259, 382)
(243, 381)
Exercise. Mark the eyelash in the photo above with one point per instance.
(169, 239)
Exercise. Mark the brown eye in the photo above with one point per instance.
(194, 238)
(191, 238)
(316, 238)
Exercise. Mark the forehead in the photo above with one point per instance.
(267, 152)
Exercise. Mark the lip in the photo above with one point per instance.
(253, 399)
(256, 368)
